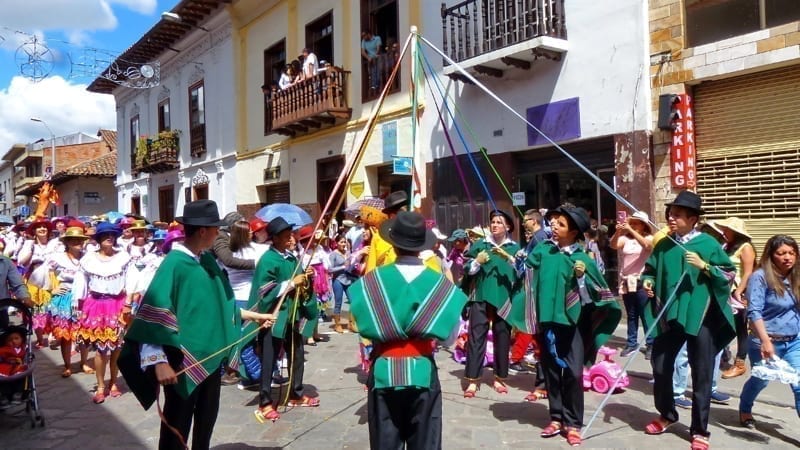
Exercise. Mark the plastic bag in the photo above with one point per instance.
(776, 369)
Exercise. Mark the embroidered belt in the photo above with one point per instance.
(101, 295)
(781, 338)
(405, 349)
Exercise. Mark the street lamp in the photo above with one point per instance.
(52, 146)
(173, 17)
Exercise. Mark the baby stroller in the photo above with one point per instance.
(17, 384)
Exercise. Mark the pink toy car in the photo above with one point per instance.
(600, 377)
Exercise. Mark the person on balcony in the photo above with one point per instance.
(370, 47)
(310, 64)
(288, 77)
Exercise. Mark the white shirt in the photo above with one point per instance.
(310, 64)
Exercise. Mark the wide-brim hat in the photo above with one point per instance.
(505, 216)
(172, 236)
(578, 216)
(407, 231)
(159, 235)
(457, 234)
(476, 231)
(278, 225)
(689, 200)
(138, 225)
(37, 223)
(201, 213)
(107, 228)
(642, 216)
(73, 233)
(394, 201)
(734, 224)
(305, 232)
(256, 224)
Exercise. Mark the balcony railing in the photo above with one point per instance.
(477, 27)
(159, 155)
(312, 104)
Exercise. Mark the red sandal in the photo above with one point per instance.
(574, 436)
(304, 401)
(700, 442)
(538, 394)
(266, 413)
(553, 429)
(658, 426)
(470, 393)
(500, 387)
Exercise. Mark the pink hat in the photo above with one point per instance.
(172, 236)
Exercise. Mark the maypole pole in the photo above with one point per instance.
(416, 191)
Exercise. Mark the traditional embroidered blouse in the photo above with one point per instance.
(102, 276)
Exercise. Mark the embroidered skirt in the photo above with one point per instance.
(99, 323)
(63, 317)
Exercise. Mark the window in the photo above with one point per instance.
(379, 17)
(136, 205)
(274, 62)
(328, 171)
(714, 20)
(163, 116)
(201, 192)
(319, 38)
(197, 119)
(166, 203)
(134, 138)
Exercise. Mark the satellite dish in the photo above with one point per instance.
(147, 71)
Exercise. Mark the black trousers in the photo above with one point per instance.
(479, 313)
(701, 350)
(405, 418)
(271, 346)
(565, 384)
(740, 320)
(202, 406)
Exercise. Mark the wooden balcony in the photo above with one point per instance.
(488, 37)
(161, 156)
(312, 104)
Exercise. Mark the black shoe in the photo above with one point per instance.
(627, 351)
(516, 368)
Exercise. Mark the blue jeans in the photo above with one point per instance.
(788, 351)
(680, 377)
(338, 295)
(634, 307)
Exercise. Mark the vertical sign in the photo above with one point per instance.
(389, 133)
(682, 154)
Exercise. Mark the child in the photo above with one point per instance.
(12, 362)
(569, 306)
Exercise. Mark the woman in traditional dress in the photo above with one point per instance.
(491, 269)
(33, 253)
(63, 310)
(103, 287)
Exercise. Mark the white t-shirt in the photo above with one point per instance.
(310, 65)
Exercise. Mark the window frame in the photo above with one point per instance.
(197, 133)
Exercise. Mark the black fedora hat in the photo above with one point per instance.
(407, 231)
(505, 216)
(395, 201)
(578, 216)
(201, 213)
(277, 225)
(689, 200)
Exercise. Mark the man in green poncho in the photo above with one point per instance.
(566, 303)
(403, 307)
(277, 274)
(187, 315)
(692, 267)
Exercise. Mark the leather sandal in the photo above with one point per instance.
(304, 401)
(700, 442)
(470, 393)
(266, 413)
(658, 426)
(747, 421)
(536, 395)
(500, 387)
(574, 436)
(552, 429)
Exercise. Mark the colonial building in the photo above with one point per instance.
(739, 64)
(175, 92)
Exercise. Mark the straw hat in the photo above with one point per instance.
(734, 224)
(138, 225)
(642, 216)
(74, 233)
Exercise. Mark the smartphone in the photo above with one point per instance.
(622, 216)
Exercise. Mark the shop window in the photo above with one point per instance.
(379, 17)
(274, 64)
(714, 20)
(197, 119)
(163, 116)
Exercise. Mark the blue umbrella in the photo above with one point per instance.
(113, 216)
(290, 213)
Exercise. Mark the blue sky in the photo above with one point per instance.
(64, 30)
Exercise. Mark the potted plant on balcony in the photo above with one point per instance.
(167, 141)
(142, 151)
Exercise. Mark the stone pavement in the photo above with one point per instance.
(490, 420)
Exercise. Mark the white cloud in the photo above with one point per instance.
(66, 108)
(68, 14)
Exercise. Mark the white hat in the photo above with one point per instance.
(642, 217)
(439, 235)
(348, 223)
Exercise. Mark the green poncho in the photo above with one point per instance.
(495, 280)
(189, 306)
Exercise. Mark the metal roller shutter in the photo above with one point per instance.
(748, 150)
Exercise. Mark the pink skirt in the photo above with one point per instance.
(99, 323)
